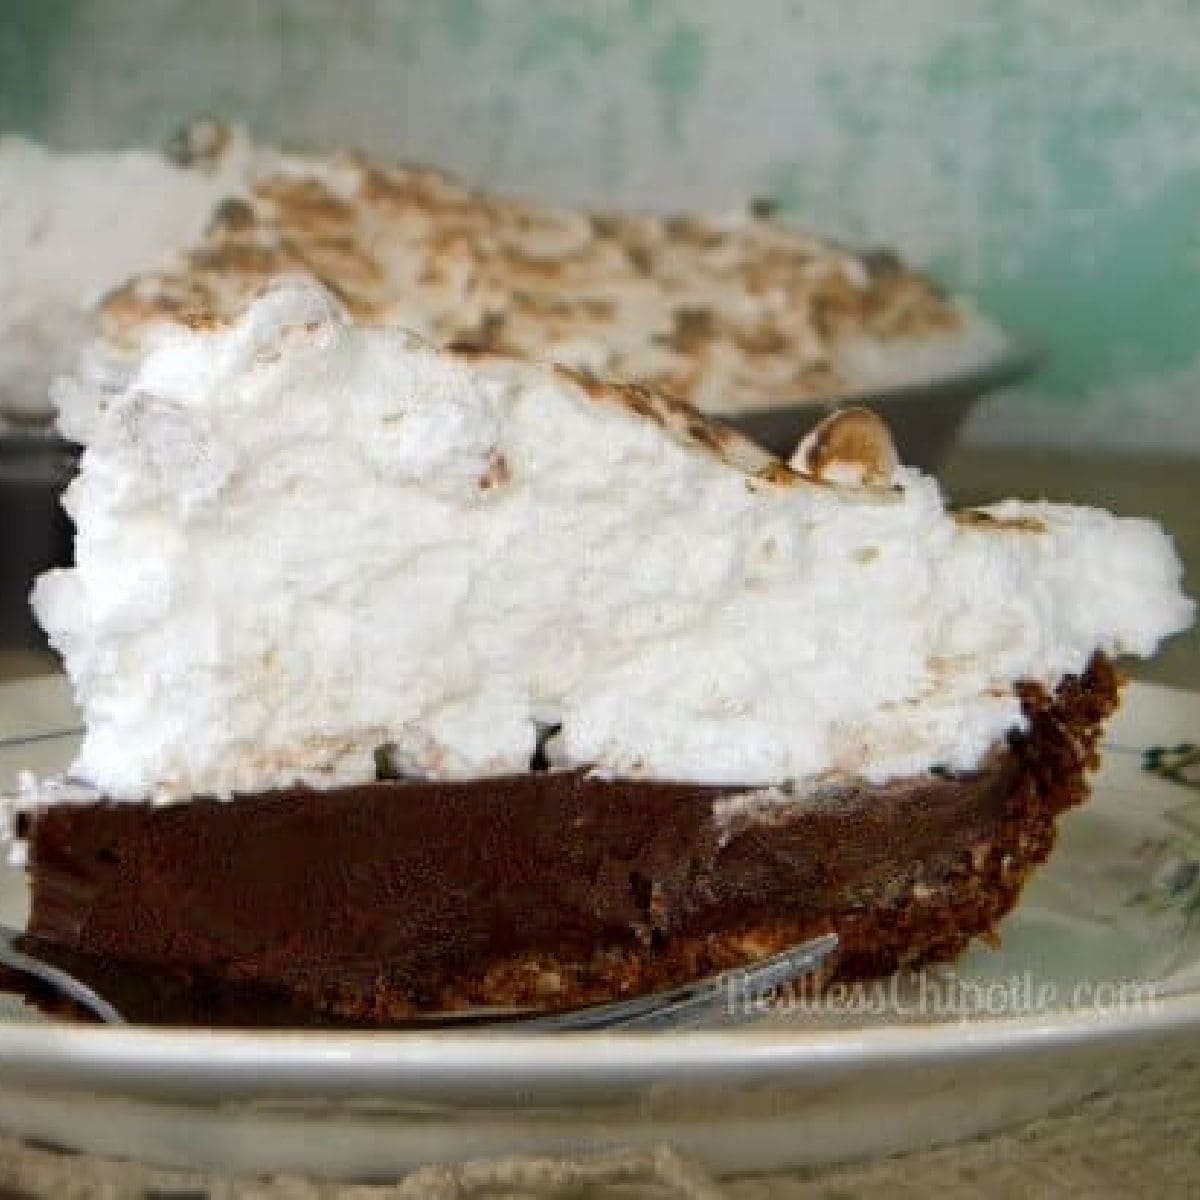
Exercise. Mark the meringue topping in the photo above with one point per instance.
(301, 539)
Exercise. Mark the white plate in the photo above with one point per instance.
(1099, 970)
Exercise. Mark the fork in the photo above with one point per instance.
(729, 997)
(14, 959)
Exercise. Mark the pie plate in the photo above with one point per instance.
(1097, 972)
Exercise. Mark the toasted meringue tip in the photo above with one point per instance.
(851, 446)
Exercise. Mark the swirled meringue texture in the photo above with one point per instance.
(300, 540)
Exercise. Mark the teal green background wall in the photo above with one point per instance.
(1044, 156)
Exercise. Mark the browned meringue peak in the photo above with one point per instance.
(691, 427)
(723, 314)
(852, 446)
(988, 522)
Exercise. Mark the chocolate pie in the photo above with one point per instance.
(419, 680)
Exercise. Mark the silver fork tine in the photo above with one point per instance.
(712, 1001)
(62, 981)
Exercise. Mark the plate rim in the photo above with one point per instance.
(206, 1063)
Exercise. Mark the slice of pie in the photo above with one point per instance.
(731, 313)
(419, 680)
(736, 313)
